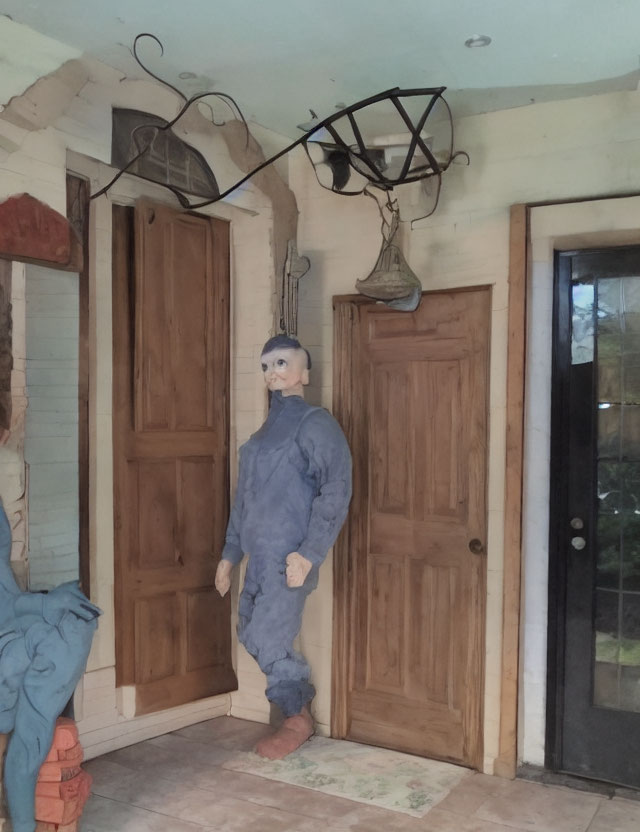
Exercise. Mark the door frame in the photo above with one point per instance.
(350, 411)
(527, 727)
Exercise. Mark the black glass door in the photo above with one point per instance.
(595, 516)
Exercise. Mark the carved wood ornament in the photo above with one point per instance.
(31, 230)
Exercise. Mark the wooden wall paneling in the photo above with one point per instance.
(506, 762)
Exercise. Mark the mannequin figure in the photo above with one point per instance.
(294, 487)
(44, 644)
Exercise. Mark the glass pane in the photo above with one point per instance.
(609, 307)
(609, 379)
(629, 479)
(609, 487)
(609, 551)
(609, 346)
(582, 330)
(631, 553)
(630, 288)
(618, 431)
(606, 679)
(606, 689)
(631, 384)
(629, 688)
(630, 439)
(609, 431)
(630, 653)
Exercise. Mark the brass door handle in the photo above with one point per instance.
(476, 546)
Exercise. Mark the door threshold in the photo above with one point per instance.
(538, 774)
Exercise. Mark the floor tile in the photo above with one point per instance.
(102, 815)
(227, 732)
(440, 820)
(472, 792)
(540, 808)
(617, 816)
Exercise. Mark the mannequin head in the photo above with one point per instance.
(285, 365)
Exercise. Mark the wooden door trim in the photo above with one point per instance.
(352, 416)
(122, 244)
(345, 355)
(506, 763)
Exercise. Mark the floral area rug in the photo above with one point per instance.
(377, 776)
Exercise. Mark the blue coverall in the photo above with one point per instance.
(294, 487)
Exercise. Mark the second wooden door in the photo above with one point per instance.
(414, 394)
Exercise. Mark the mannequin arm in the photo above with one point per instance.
(223, 577)
(325, 446)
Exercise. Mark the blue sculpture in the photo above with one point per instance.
(45, 640)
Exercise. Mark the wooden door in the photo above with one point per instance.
(171, 380)
(412, 394)
(594, 699)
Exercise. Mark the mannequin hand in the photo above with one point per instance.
(223, 577)
(298, 567)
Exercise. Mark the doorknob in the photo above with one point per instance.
(578, 543)
(476, 546)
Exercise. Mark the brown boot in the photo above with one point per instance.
(293, 732)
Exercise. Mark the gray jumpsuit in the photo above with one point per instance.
(294, 487)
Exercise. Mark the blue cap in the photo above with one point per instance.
(285, 342)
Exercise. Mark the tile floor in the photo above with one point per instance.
(175, 783)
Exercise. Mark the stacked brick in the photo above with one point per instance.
(63, 787)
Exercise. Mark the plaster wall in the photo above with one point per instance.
(538, 153)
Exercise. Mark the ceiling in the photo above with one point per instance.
(279, 58)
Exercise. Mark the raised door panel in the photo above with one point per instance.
(177, 365)
(156, 658)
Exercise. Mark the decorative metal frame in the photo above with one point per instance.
(168, 160)
(360, 158)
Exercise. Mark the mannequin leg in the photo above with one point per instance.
(270, 615)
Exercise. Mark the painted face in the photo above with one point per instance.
(285, 370)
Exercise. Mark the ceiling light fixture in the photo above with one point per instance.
(476, 41)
